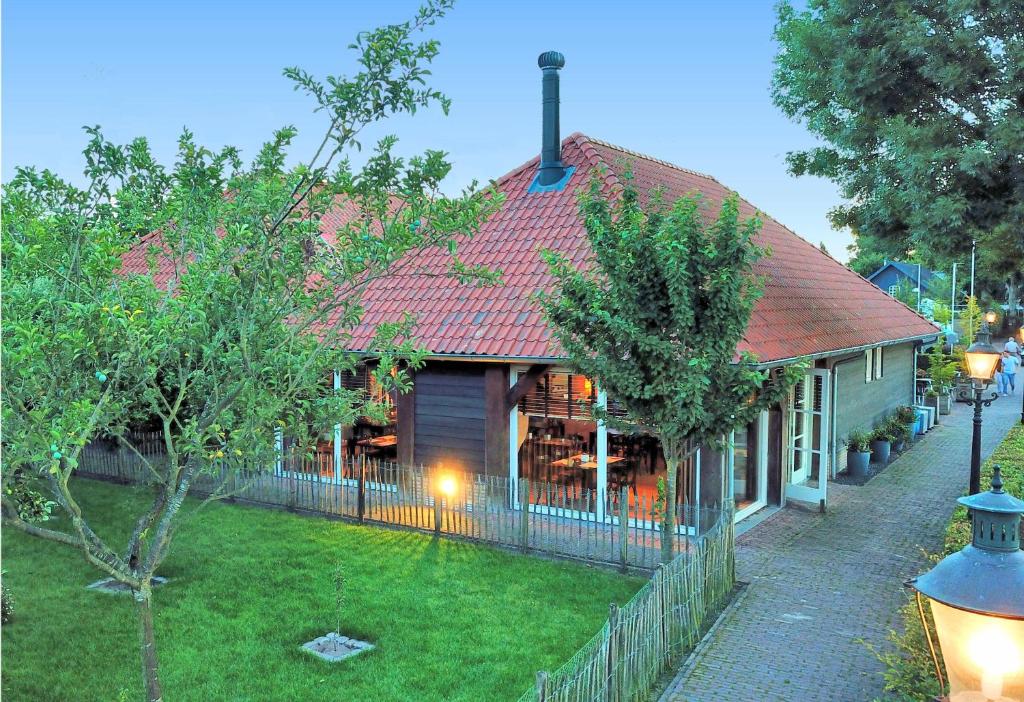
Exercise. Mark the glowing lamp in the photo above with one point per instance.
(982, 357)
(977, 600)
(447, 485)
(990, 317)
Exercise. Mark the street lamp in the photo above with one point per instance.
(977, 601)
(982, 358)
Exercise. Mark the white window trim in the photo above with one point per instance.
(869, 365)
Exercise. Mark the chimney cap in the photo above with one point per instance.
(551, 59)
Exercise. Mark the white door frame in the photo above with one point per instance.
(796, 487)
(761, 500)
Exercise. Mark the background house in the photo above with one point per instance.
(892, 274)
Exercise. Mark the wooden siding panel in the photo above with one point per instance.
(450, 416)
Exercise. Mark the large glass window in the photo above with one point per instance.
(636, 464)
(557, 442)
(744, 467)
(372, 437)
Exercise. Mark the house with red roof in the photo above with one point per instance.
(496, 396)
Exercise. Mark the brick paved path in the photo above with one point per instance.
(820, 582)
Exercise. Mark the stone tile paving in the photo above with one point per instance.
(818, 583)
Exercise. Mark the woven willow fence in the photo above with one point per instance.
(618, 528)
(641, 639)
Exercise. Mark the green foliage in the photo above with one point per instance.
(970, 320)
(858, 441)
(905, 414)
(941, 367)
(914, 103)
(259, 310)
(942, 313)
(23, 493)
(910, 673)
(884, 431)
(656, 316)
(899, 430)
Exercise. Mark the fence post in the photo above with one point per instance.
(361, 488)
(542, 686)
(661, 575)
(614, 675)
(434, 489)
(524, 514)
(624, 527)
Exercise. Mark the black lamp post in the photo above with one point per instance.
(982, 358)
(977, 601)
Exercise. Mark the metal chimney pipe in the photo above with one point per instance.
(551, 169)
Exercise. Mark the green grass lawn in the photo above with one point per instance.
(450, 620)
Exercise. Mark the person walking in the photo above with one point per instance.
(1008, 376)
(1012, 347)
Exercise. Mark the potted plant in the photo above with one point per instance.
(901, 434)
(858, 453)
(881, 443)
(907, 416)
(942, 371)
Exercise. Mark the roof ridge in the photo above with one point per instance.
(647, 157)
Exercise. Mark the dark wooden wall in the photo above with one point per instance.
(450, 412)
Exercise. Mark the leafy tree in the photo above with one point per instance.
(918, 106)
(970, 320)
(256, 316)
(656, 318)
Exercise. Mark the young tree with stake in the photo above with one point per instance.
(656, 318)
(243, 335)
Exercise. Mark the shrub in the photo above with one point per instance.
(900, 430)
(905, 414)
(941, 368)
(859, 441)
(883, 432)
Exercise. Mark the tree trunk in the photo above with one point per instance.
(150, 666)
(668, 522)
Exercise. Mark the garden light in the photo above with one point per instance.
(977, 600)
(447, 485)
(990, 317)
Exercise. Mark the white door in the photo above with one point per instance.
(807, 438)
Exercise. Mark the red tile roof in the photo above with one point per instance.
(812, 304)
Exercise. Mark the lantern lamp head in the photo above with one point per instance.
(977, 599)
(982, 357)
(990, 317)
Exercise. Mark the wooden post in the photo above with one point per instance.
(437, 504)
(405, 418)
(542, 686)
(524, 513)
(613, 676)
(496, 420)
(624, 527)
(361, 488)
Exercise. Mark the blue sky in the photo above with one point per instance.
(685, 81)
